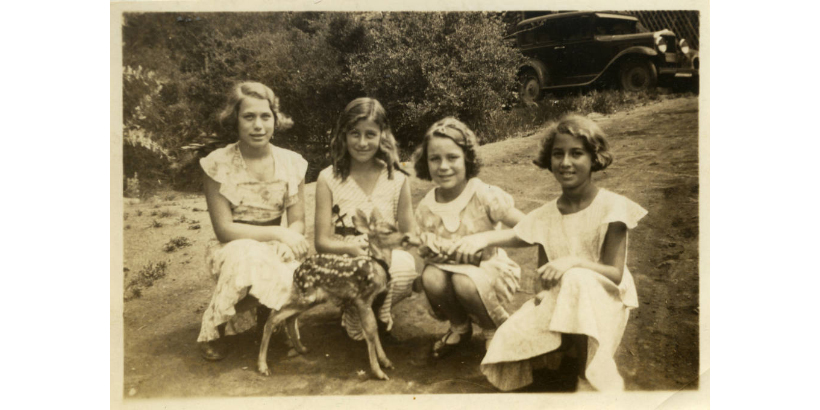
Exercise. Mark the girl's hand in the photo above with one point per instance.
(552, 272)
(297, 243)
(357, 249)
(466, 249)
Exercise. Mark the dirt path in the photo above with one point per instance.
(656, 165)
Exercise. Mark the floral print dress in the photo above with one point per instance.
(479, 208)
(243, 266)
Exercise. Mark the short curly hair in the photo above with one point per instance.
(578, 126)
(459, 133)
(229, 116)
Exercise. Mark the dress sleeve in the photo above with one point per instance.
(217, 165)
(497, 202)
(296, 167)
(622, 209)
(530, 228)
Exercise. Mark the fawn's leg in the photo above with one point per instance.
(292, 330)
(371, 334)
(274, 321)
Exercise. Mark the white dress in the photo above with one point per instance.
(263, 269)
(585, 302)
(347, 198)
(479, 208)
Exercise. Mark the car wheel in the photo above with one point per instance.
(530, 91)
(638, 76)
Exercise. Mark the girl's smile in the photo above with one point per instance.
(255, 123)
(570, 161)
(363, 140)
(445, 160)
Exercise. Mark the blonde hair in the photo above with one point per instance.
(578, 126)
(363, 109)
(229, 116)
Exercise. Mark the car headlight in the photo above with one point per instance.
(683, 46)
(661, 43)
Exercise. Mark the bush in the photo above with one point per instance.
(425, 66)
(145, 278)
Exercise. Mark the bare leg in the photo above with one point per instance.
(371, 334)
(468, 297)
(439, 290)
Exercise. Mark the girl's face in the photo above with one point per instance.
(255, 122)
(571, 162)
(445, 159)
(363, 140)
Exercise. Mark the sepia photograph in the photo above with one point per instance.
(371, 203)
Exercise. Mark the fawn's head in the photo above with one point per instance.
(382, 234)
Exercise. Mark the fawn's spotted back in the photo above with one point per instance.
(336, 273)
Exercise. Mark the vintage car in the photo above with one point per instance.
(579, 48)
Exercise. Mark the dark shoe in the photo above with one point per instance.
(442, 349)
(211, 351)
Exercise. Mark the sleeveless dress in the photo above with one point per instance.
(263, 269)
(479, 208)
(347, 197)
(585, 302)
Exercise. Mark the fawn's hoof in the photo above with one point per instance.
(263, 369)
(381, 375)
(387, 364)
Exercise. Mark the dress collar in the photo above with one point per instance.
(450, 212)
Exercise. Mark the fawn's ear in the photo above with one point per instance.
(360, 222)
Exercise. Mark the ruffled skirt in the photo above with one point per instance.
(496, 279)
(585, 302)
(263, 269)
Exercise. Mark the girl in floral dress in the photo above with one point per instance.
(249, 186)
(365, 175)
(589, 291)
(461, 285)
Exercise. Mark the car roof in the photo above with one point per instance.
(540, 19)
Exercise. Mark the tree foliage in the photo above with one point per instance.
(421, 66)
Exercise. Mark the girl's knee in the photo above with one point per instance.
(463, 285)
(402, 261)
(433, 279)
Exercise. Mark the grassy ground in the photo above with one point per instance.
(656, 164)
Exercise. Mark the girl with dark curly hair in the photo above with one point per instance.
(577, 321)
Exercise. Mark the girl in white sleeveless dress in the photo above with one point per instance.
(582, 313)
(365, 175)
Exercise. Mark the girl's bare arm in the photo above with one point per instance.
(227, 230)
(324, 240)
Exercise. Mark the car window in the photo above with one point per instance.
(571, 29)
(608, 26)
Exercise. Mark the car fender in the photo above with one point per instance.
(539, 68)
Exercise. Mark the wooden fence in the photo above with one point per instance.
(685, 23)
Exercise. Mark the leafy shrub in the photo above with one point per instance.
(176, 243)
(145, 278)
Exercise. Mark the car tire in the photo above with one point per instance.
(638, 75)
(530, 90)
